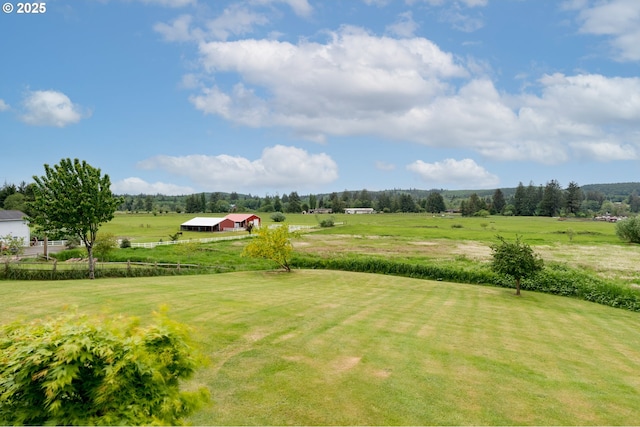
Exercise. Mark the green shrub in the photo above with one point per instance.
(629, 229)
(278, 217)
(81, 370)
(125, 243)
(70, 253)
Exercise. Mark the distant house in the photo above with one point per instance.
(12, 223)
(358, 210)
(231, 222)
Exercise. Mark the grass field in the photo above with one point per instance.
(318, 347)
(583, 244)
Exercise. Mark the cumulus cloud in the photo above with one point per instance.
(3, 106)
(617, 19)
(278, 167)
(135, 185)
(458, 173)
(51, 108)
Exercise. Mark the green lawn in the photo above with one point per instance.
(323, 347)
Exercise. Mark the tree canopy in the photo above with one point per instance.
(74, 197)
(515, 259)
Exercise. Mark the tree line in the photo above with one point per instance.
(524, 200)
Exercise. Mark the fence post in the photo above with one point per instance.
(55, 264)
(6, 267)
(128, 266)
(178, 265)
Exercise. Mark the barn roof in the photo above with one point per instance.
(240, 217)
(11, 215)
(203, 222)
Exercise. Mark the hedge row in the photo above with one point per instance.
(83, 273)
(555, 279)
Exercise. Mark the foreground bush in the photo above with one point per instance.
(80, 370)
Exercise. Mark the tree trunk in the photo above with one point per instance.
(92, 274)
(46, 247)
(517, 286)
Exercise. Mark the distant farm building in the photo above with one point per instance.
(232, 222)
(12, 223)
(321, 211)
(358, 210)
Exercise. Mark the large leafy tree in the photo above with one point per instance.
(515, 259)
(73, 197)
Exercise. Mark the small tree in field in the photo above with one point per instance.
(273, 244)
(104, 244)
(81, 370)
(75, 198)
(515, 259)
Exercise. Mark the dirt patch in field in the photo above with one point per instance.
(343, 364)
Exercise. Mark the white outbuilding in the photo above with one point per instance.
(12, 223)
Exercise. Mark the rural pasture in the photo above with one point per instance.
(337, 348)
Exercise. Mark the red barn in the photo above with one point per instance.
(242, 220)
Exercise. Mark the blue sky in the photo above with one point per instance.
(274, 96)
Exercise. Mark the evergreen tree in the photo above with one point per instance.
(435, 203)
(574, 198)
(497, 202)
(551, 199)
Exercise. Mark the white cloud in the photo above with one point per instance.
(51, 108)
(314, 87)
(299, 7)
(617, 19)
(606, 151)
(384, 166)
(170, 3)
(278, 167)
(4, 106)
(135, 185)
(459, 173)
(235, 20)
(178, 31)
(404, 26)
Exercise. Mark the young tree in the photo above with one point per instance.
(81, 370)
(104, 244)
(75, 197)
(273, 244)
(515, 259)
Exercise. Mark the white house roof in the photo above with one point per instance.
(11, 215)
(203, 222)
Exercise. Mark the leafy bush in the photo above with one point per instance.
(327, 222)
(125, 243)
(81, 370)
(629, 229)
(278, 217)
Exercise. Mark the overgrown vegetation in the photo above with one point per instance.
(82, 370)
